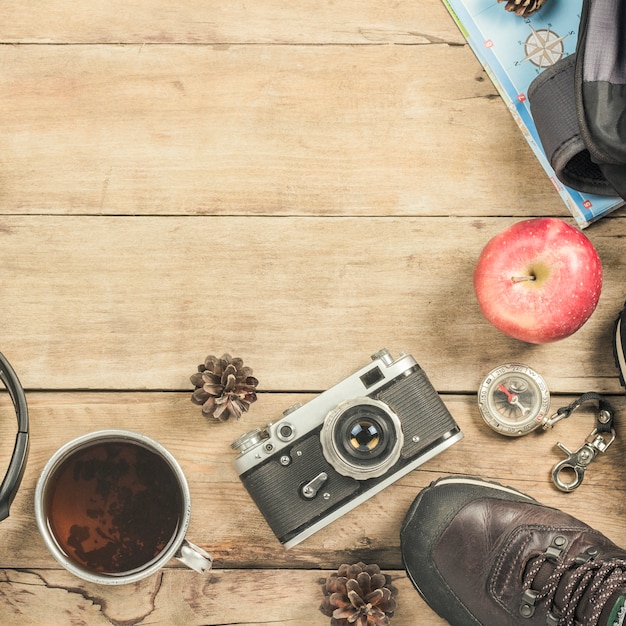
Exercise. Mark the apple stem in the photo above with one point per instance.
(520, 279)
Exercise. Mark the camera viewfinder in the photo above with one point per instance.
(372, 377)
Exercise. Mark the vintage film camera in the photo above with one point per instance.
(329, 455)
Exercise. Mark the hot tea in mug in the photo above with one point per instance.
(113, 507)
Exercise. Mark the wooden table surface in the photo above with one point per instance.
(298, 184)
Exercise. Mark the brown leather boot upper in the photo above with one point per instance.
(481, 555)
(496, 540)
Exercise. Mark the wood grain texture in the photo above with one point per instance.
(299, 184)
(257, 581)
(226, 597)
(138, 302)
(210, 22)
(280, 130)
(226, 522)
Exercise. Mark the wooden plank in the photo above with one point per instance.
(227, 523)
(281, 130)
(252, 597)
(269, 21)
(192, 178)
(138, 302)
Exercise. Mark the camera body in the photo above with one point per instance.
(329, 455)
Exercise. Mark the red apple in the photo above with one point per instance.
(539, 280)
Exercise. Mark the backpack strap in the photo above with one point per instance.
(552, 99)
(579, 104)
(601, 86)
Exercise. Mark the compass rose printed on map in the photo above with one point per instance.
(525, 46)
(543, 47)
(513, 51)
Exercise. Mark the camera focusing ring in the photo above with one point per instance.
(362, 438)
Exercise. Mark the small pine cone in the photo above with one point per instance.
(358, 595)
(224, 387)
(523, 8)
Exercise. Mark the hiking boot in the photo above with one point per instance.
(619, 345)
(481, 554)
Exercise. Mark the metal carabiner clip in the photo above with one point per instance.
(577, 462)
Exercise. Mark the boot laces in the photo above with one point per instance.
(595, 581)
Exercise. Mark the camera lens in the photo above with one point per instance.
(362, 438)
(362, 432)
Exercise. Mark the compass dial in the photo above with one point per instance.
(513, 399)
(543, 48)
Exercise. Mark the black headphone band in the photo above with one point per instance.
(17, 465)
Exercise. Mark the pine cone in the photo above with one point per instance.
(358, 595)
(224, 387)
(523, 8)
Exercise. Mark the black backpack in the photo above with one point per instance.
(579, 104)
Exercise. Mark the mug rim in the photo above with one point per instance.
(61, 455)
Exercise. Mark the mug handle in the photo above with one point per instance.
(194, 557)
